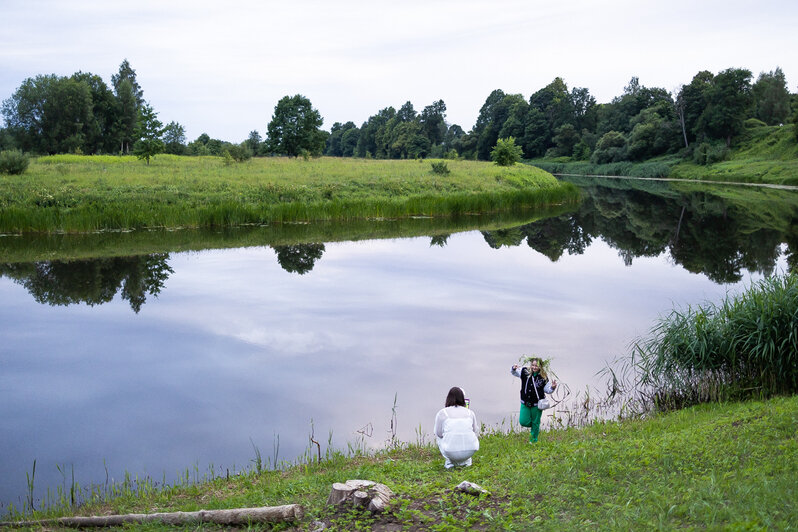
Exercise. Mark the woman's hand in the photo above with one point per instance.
(553, 385)
(515, 366)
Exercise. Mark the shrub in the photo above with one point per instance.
(239, 152)
(706, 153)
(506, 153)
(13, 162)
(440, 168)
(752, 123)
(611, 148)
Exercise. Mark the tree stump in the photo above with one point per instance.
(360, 499)
(360, 494)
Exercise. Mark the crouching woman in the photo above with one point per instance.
(456, 430)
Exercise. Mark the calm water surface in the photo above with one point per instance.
(259, 347)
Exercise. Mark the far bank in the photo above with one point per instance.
(70, 193)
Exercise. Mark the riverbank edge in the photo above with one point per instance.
(689, 468)
(81, 194)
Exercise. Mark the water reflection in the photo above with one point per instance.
(718, 232)
(701, 230)
(299, 258)
(92, 281)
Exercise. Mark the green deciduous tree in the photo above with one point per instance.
(565, 140)
(254, 142)
(335, 142)
(98, 131)
(610, 148)
(690, 104)
(728, 100)
(148, 132)
(47, 114)
(294, 128)
(174, 139)
(433, 122)
(771, 98)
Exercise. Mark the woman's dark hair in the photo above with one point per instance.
(455, 397)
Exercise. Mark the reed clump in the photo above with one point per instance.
(744, 347)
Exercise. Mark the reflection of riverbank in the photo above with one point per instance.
(45, 247)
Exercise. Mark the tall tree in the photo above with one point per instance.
(771, 98)
(148, 132)
(127, 113)
(433, 122)
(98, 132)
(174, 138)
(494, 113)
(254, 142)
(691, 102)
(728, 100)
(618, 115)
(367, 143)
(126, 73)
(48, 114)
(294, 128)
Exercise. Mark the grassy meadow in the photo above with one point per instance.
(718, 466)
(766, 154)
(71, 193)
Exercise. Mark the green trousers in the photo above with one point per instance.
(530, 417)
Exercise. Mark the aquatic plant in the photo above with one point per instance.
(746, 346)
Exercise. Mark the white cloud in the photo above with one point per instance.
(221, 67)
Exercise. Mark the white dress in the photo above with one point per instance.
(456, 432)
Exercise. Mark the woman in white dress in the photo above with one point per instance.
(456, 430)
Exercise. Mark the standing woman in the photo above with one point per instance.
(534, 386)
(456, 430)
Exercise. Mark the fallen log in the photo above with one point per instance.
(236, 516)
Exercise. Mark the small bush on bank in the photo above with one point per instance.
(506, 153)
(13, 162)
(440, 168)
(706, 153)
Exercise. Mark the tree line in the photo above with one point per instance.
(81, 114)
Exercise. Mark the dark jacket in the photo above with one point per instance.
(529, 384)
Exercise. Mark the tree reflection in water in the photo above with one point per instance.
(701, 231)
(92, 281)
(713, 231)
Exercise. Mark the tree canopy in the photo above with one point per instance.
(82, 114)
(295, 128)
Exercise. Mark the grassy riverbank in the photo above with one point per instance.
(713, 466)
(766, 154)
(69, 193)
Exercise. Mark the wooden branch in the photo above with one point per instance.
(237, 516)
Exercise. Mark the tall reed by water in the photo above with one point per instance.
(746, 346)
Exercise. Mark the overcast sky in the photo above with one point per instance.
(221, 67)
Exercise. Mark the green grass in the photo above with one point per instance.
(727, 466)
(767, 154)
(70, 193)
(762, 155)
